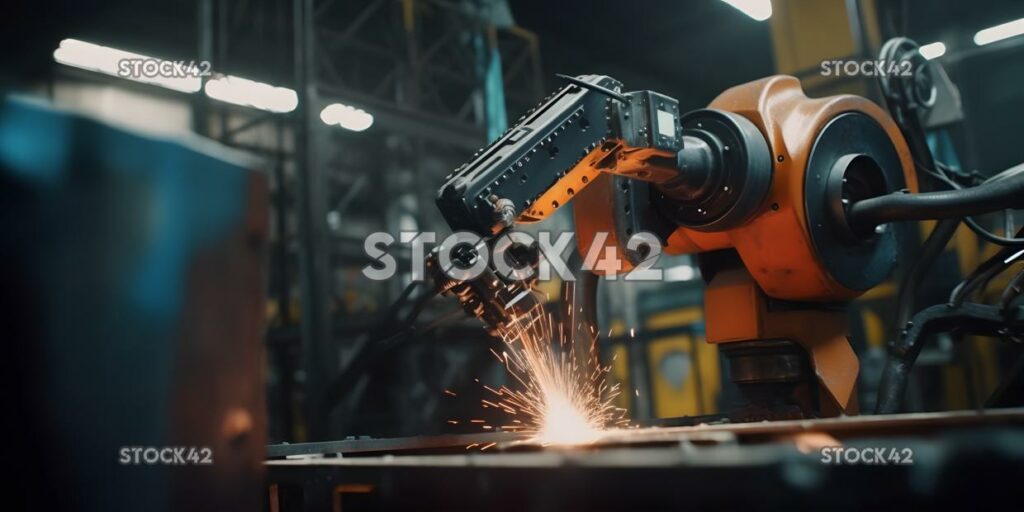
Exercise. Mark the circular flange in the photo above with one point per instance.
(852, 158)
(739, 177)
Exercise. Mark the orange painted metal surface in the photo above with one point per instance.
(775, 244)
(776, 248)
(735, 309)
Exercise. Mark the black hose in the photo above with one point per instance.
(991, 237)
(991, 196)
(985, 234)
(382, 320)
(903, 353)
(984, 273)
(1012, 291)
(937, 241)
(375, 351)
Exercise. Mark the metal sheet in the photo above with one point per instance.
(840, 428)
(395, 444)
(675, 468)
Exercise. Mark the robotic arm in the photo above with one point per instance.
(555, 150)
(714, 172)
(786, 200)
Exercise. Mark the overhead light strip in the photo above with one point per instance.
(932, 50)
(760, 10)
(346, 116)
(999, 32)
(122, 64)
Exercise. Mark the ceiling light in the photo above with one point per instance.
(347, 117)
(680, 273)
(932, 50)
(999, 32)
(760, 10)
(128, 65)
(250, 93)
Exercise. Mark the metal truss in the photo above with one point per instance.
(416, 66)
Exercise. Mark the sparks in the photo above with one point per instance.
(564, 423)
(561, 397)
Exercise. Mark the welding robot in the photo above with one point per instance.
(792, 205)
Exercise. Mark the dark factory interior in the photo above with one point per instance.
(513, 255)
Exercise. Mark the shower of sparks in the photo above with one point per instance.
(557, 396)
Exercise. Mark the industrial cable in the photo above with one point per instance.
(985, 234)
(904, 99)
(985, 198)
(901, 105)
(937, 240)
(981, 275)
(1012, 291)
(376, 350)
(1001, 192)
(418, 306)
(385, 318)
(901, 358)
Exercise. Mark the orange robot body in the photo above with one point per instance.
(775, 245)
(795, 247)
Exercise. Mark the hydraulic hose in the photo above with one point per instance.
(912, 279)
(1004, 191)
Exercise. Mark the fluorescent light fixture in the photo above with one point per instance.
(250, 93)
(347, 117)
(106, 60)
(760, 10)
(680, 273)
(932, 50)
(999, 32)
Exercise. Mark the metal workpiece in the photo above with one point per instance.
(715, 430)
(368, 445)
(778, 464)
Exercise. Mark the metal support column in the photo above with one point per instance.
(312, 206)
(200, 103)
